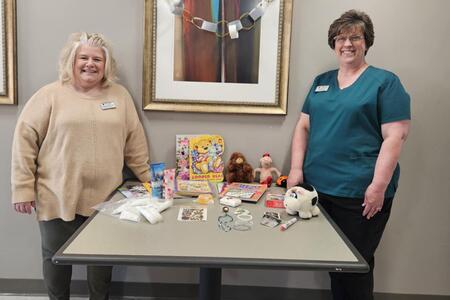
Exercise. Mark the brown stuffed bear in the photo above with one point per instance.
(238, 169)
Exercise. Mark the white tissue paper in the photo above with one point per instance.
(135, 209)
(131, 202)
(130, 214)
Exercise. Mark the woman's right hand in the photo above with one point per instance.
(295, 177)
(25, 207)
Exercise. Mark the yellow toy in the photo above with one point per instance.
(205, 199)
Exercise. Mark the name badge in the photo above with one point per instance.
(107, 105)
(321, 88)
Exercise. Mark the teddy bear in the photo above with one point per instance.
(238, 169)
(202, 158)
(265, 172)
(302, 199)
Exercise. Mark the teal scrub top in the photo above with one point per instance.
(345, 130)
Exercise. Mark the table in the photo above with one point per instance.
(315, 244)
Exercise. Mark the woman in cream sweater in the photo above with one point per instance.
(70, 145)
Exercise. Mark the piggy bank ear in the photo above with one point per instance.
(306, 186)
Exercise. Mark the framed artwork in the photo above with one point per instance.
(224, 56)
(8, 75)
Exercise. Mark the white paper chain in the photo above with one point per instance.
(222, 28)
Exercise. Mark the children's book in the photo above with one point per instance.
(192, 188)
(250, 192)
(200, 157)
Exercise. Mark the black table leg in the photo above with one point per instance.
(210, 283)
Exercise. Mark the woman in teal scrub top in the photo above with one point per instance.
(347, 143)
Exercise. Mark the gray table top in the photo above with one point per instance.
(309, 244)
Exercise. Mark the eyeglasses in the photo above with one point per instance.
(340, 39)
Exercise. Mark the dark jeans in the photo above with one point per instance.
(54, 234)
(364, 234)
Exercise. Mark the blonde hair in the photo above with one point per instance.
(68, 53)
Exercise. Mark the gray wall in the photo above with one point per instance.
(411, 40)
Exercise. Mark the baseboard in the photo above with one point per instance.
(165, 291)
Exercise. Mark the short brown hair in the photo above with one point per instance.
(349, 20)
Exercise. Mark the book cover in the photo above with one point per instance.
(205, 157)
(192, 188)
(251, 192)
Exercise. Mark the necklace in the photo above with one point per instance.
(222, 28)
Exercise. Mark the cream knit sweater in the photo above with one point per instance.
(68, 152)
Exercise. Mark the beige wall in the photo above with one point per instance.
(411, 40)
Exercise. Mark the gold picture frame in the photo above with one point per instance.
(266, 94)
(8, 60)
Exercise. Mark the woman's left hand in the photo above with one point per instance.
(373, 201)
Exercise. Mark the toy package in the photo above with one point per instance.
(182, 157)
(250, 192)
(169, 184)
(200, 157)
(157, 176)
(134, 190)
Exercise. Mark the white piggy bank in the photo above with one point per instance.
(302, 199)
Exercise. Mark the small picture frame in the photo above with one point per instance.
(8, 60)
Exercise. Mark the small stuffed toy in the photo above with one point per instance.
(265, 172)
(238, 169)
(282, 181)
(302, 199)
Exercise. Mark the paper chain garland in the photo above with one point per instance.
(222, 28)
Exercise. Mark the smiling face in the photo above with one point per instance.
(88, 68)
(266, 162)
(350, 47)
